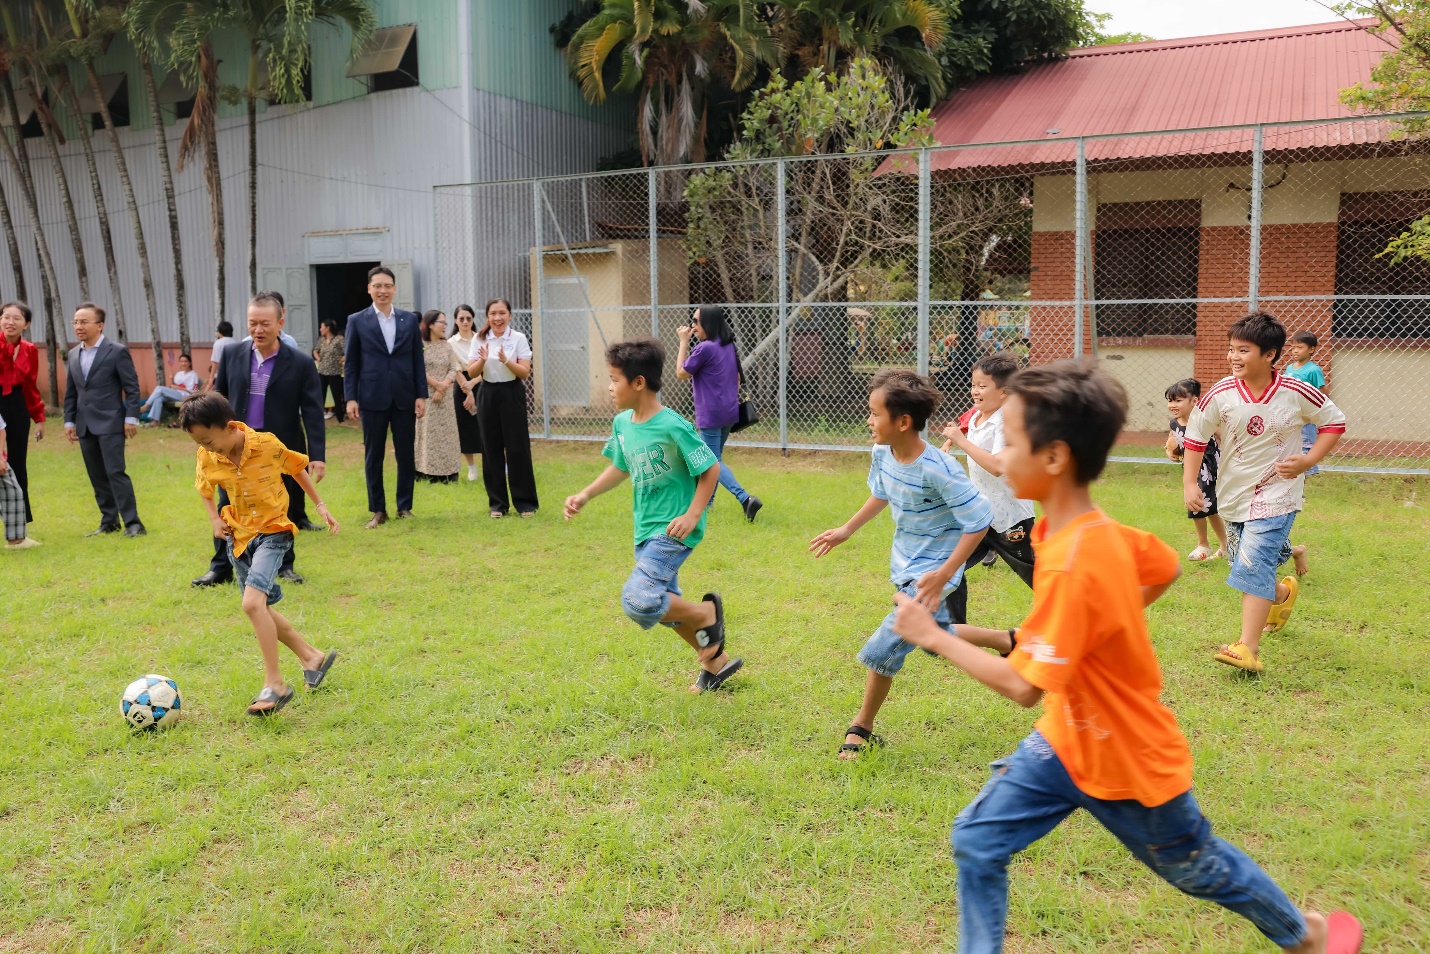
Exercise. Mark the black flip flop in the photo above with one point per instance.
(268, 695)
(863, 733)
(708, 681)
(713, 635)
(314, 677)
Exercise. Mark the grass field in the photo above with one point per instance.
(500, 761)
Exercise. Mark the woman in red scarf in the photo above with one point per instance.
(20, 401)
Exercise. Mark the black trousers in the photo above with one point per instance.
(17, 440)
(375, 425)
(506, 446)
(113, 491)
(334, 383)
(1014, 545)
(219, 564)
(469, 431)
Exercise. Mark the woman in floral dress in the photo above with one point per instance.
(439, 454)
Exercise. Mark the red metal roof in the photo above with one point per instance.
(1263, 76)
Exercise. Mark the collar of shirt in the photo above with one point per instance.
(97, 342)
(259, 360)
(389, 316)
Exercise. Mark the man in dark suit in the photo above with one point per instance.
(386, 382)
(273, 387)
(101, 412)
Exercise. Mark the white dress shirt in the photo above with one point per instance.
(516, 347)
(388, 324)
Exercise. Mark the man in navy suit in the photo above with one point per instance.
(101, 411)
(385, 379)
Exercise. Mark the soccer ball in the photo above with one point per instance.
(151, 702)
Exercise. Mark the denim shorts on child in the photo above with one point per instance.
(646, 595)
(260, 563)
(1308, 437)
(1256, 548)
(885, 651)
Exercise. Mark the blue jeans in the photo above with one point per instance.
(154, 407)
(1255, 550)
(259, 565)
(1309, 433)
(1030, 793)
(715, 438)
(885, 651)
(656, 577)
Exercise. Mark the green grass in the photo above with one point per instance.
(500, 761)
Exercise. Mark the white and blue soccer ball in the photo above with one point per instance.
(151, 702)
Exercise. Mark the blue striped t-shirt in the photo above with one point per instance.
(933, 503)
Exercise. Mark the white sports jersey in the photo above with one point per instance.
(1256, 432)
(986, 431)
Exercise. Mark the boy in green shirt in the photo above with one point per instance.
(673, 476)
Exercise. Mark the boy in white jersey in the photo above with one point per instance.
(1261, 485)
(939, 520)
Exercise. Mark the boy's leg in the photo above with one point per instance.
(257, 571)
(876, 690)
(1175, 840)
(255, 607)
(651, 595)
(1015, 546)
(310, 657)
(883, 654)
(1029, 794)
(1255, 552)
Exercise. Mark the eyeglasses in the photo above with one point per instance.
(81, 324)
(384, 287)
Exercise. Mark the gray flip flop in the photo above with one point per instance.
(268, 695)
(314, 677)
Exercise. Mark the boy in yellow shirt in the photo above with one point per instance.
(1106, 742)
(250, 465)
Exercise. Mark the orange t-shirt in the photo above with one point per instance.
(1085, 644)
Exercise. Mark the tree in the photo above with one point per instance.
(670, 52)
(277, 33)
(903, 35)
(1100, 37)
(166, 169)
(1001, 36)
(1400, 82)
(12, 244)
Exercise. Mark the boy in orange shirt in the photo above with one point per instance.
(1105, 742)
(250, 465)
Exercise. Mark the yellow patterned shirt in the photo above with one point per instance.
(258, 501)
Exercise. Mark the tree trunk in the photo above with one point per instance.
(252, 173)
(54, 329)
(17, 266)
(215, 184)
(52, 143)
(102, 213)
(127, 187)
(161, 143)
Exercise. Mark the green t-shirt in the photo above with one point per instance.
(664, 456)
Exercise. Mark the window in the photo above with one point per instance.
(114, 87)
(1367, 223)
(1144, 251)
(390, 59)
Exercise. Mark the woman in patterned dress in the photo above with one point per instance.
(438, 454)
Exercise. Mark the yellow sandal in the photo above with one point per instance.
(1242, 658)
(1280, 613)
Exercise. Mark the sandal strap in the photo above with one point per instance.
(267, 695)
(860, 731)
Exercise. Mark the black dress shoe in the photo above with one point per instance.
(103, 529)
(306, 524)
(289, 574)
(136, 530)
(213, 579)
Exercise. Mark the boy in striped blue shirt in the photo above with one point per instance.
(939, 519)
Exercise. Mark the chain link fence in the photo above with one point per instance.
(1136, 251)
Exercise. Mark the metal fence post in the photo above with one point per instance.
(1253, 280)
(1079, 246)
(654, 263)
(539, 305)
(925, 202)
(783, 314)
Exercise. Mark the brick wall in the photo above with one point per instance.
(1052, 279)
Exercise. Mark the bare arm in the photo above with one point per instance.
(684, 332)
(221, 529)
(1151, 594)
(681, 526)
(311, 490)
(1298, 464)
(830, 539)
(931, 584)
(1192, 494)
(975, 453)
(609, 478)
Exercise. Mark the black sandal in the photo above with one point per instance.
(314, 677)
(714, 634)
(268, 695)
(867, 735)
(708, 681)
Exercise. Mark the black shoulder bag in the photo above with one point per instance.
(749, 414)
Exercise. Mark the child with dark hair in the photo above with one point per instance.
(249, 465)
(1012, 518)
(1106, 742)
(940, 518)
(1181, 400)
(1299, 351)
(1261, 485)
(673, 476)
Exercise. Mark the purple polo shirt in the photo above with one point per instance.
(715, 380)
(259, 372)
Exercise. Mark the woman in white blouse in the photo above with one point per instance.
(469, 433)
(501, 359)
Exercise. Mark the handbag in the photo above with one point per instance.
(748, 413)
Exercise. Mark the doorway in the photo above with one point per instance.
(341, 290)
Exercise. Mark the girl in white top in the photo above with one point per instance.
(469, 433)
(1012, 528)
(501, 357)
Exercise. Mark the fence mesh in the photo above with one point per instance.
(1136, 251)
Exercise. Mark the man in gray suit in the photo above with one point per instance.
(101, 412)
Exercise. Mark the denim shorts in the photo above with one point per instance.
(1256, 548)
(646, 596)
(1308, 437)
(260, 563)
(885, 650)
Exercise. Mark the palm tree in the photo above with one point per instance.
(7, 224)
(189, 26)
(277, 33)
(901, 34)
(669, 53)
(166, 169)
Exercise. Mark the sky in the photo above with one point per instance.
(1168, 19)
